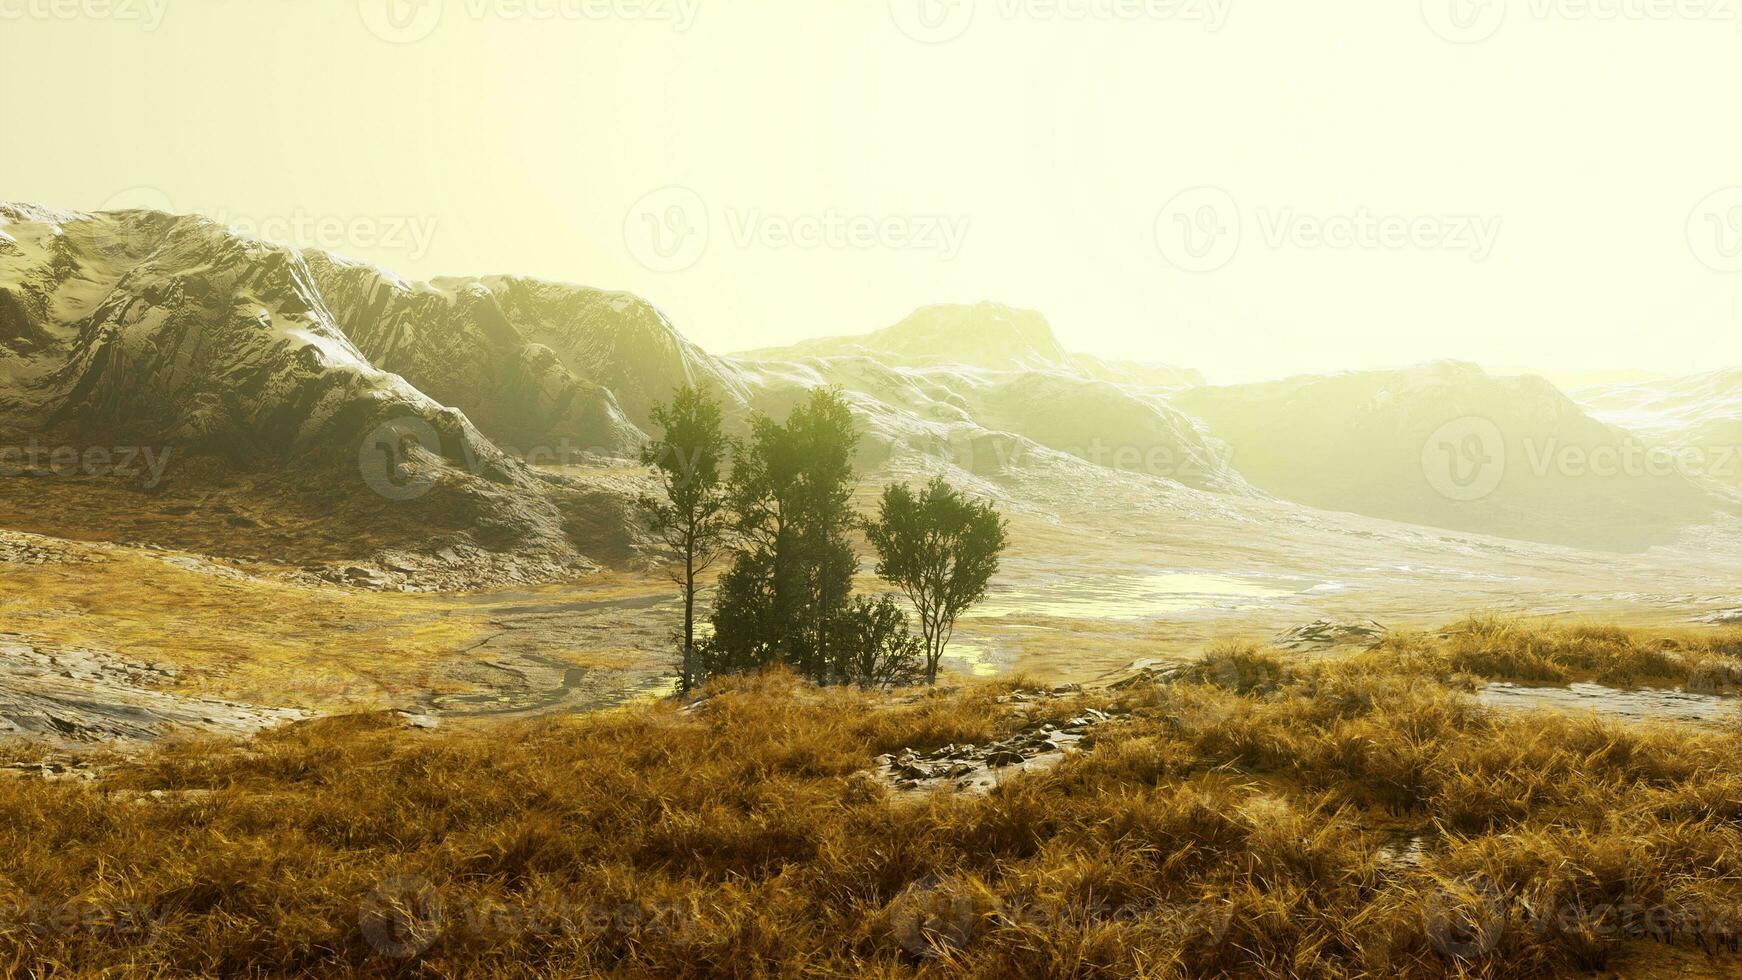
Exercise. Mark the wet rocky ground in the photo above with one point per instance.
(1038, 746)
(1330, 633)
(1635, 704)
(71, 696)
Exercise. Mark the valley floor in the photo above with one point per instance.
(1090, 584)
(219, 765)
(1246, 813)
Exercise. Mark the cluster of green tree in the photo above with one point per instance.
(778, 509)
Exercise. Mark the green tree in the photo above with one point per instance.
(873, 647)
(826, 439)
(690, 515)
(791, 490)
(940, 549)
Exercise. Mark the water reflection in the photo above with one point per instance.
(1637, 705)
(1142, 596)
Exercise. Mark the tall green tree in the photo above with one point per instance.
(827, 440)
(873, 647)
(790, 579)
(691, 513)
(940, 548)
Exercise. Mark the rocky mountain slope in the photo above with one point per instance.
(314, 385)
(568, 370)
(987, 336)
(1691, 411)
(989, 390)
(139, 330)
(1696, 421)
(1449, 446)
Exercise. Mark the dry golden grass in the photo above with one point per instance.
(246, 638)
(1246, 822)
(1492, 646)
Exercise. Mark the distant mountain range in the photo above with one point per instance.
(149, 327)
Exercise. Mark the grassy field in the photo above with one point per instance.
(243, 637)
(1327, 816)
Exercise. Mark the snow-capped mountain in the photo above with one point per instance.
(535, 364)
(988, 336)
(149, 329)
(1696, 421)
(990, 389)
(1450, 446)
(1702, 409)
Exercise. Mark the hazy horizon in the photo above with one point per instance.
(1534, 191)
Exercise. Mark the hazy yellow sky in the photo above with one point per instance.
(1252, 188)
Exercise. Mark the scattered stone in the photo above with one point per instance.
(69, 696)
(979, 768)
(357, 573)
(1328, 633)
(1140, 672)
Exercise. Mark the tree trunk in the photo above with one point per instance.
(689, 624)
